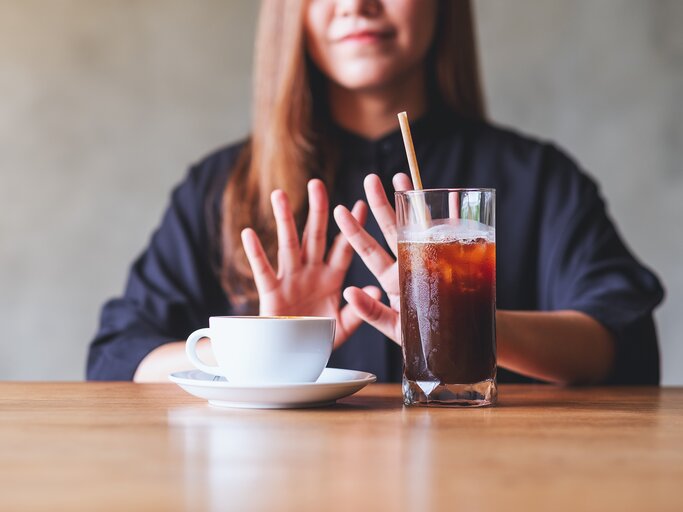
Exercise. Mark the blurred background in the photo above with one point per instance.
(103, 105)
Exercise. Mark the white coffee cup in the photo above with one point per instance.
(265, 350)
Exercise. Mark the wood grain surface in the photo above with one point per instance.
(124, 446)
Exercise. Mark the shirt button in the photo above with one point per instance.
(387, 147)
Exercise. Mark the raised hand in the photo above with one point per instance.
(306, 283)
(379, 262)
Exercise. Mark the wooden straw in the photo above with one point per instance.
(410, 150)
(421, 206)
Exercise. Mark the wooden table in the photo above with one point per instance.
(122, 446)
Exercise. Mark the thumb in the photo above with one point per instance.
(370, 309)
(373, 291)
(348, 320)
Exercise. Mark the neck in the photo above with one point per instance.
(372, 113)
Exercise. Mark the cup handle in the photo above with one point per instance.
(191, 351)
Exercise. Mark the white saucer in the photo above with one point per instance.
(333, 384)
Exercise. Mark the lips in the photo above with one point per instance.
(367, 36)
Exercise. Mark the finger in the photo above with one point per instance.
(288, 251)
(341, 252)
(381, 209)
(373, 291)
(380, 316)
(264, 275)
(349, 320)
(401, 182)
(315, 233)
(454, 205)
(373, 255)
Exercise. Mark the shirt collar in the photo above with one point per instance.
(422, 129)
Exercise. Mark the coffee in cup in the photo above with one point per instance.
(265, 350)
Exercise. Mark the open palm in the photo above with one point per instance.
(306, 282)
(382, 264)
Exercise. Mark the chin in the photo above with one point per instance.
(366, 79)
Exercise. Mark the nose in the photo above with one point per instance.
(366, 8)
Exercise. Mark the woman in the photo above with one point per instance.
(330, 76)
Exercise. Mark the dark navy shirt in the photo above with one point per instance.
(557, 249)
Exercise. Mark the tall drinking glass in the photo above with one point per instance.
(447, 276)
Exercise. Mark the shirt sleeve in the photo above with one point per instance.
(585, 266)
(171, 288)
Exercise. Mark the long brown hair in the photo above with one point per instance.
(289, 112)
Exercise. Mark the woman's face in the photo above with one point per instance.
(369, 44)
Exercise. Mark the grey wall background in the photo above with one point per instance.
(104, 104)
